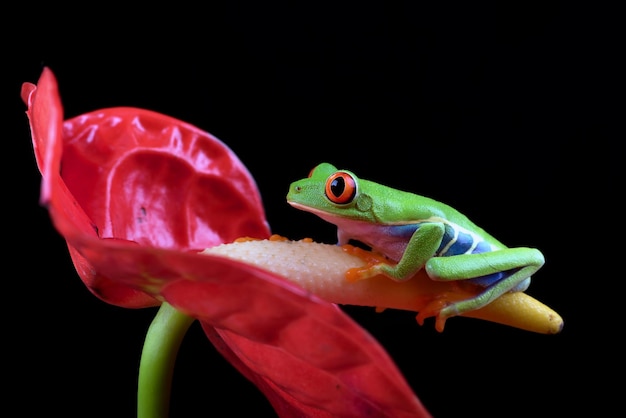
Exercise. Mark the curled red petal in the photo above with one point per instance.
(145, 177)
(138, 176)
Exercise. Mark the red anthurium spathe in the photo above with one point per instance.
(137, 195)
(137, 176)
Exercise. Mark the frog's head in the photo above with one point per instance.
(330, 193)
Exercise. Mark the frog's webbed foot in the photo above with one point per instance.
(441, 308)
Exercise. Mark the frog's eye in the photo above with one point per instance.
(340, 188)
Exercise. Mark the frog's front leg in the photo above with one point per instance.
(511, 269)
(422, 246)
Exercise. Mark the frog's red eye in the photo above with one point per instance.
(340, 188)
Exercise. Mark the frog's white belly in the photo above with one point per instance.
(390, 240)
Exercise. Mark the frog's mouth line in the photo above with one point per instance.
(328, 217)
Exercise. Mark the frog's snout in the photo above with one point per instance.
(294, 189)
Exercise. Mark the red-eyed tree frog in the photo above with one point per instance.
(415, 232)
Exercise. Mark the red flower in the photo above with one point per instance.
(137, 194)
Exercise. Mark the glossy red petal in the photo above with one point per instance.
(45, 115)
(305, 354)
(145, 177)
(135, 175)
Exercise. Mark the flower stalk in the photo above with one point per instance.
(158, 357)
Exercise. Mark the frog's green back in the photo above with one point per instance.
(393, 206)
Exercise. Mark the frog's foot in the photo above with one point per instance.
(439, 309)
(373, 264)
(361, 273)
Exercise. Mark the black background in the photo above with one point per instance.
(507, 112)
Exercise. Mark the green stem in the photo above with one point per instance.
(156, 368)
